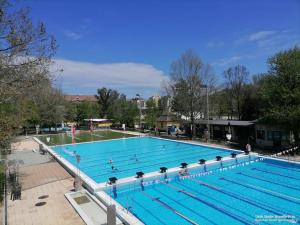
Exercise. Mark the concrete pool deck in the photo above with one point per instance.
(40, 175)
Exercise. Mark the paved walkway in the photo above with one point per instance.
(43, 180)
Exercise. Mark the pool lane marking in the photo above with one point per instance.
(245, 199)
(134, 169)
(158, 148)
(119, 172)
(177, 202)
(287, 168)
(266, 180)
(137, 144)
(147, 210)
(279, 174)
(142, 156)
(217, 201)
(264, 190)
(169, 208)
(129, 162)
(222, 210)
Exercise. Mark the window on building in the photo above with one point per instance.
(260, 134)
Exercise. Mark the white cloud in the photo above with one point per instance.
(260, 35)
(84, 77)
(73, 35)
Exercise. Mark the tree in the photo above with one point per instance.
(26, 51)
(235, 81)
(188, 77)
(218, 104)
(51, 107)
(152, 113)
(106, 99)
(124, 111)
(86, 110)
(164, 103)
(281, 91)
(71, 111)
(253, 105)
(129, 113)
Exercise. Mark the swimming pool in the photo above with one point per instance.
(130, 155)
(249, 191)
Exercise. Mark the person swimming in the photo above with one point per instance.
(114, 169)
(135, 158)
(110, 161)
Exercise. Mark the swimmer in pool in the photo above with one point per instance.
(134, 158)
(114, 169)
(110, 161)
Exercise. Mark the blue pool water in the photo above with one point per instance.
(260, 192)
(130, 155)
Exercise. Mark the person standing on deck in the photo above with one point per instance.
(248, 148)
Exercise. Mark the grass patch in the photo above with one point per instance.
(60, 139)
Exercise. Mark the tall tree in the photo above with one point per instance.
(25, 51)
(106, 99)
(25, 56)
(253, 105)
(152, 113)
(218, 104)
(235, 81)
(282, 91)
(124, 111)
(188, 77)
(51, 107)
(86, 110)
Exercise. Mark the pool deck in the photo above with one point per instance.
(40, 175)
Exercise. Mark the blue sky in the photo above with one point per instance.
(129, 45)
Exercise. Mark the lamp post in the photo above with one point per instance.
(140, 107)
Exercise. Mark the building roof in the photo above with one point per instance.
(80, 98)
(225, 122)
